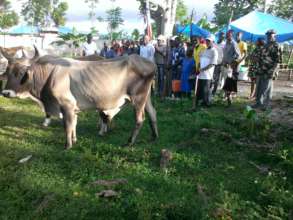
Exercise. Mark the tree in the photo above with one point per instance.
(92, 6)
(114, 19)
(135, 34)
(282, 8)
(181, 11)
(224, 8)
(205, 24)
(164, 14)
(8, 18)
(58, 14)
(41, 12)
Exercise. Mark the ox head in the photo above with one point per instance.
(18, 75)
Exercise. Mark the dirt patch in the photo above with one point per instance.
(282, 112)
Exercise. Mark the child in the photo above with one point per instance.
(188, 68)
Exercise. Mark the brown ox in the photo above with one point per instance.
(9, 54)
(72, 86)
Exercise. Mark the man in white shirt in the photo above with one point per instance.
(147, 50)
(208, 60)
(89, 47)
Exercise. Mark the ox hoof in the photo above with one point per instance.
(101, 134)
(46, 122)
(67, 147)
(154, 138)
(128, 144)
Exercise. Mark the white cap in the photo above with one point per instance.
(210, 38)
(161, 37)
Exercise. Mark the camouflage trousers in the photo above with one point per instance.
(264, 90)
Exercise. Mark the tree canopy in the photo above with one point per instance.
(41, 12)
(282, 8)
(223, 9)
(8, 18)
(114, 19)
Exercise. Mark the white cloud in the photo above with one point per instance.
(77, 14)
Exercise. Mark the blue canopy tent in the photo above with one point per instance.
(65, 30)
(24, 29)
(255, 25)
(196, 30)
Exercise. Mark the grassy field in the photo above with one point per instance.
(225, 165)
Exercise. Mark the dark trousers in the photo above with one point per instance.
(176, 72)
(203, 91)
(1, 85)
(216, 76)
(160, 79)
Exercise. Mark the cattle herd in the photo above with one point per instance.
(64, 87)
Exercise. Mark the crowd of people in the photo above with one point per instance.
(204, 65)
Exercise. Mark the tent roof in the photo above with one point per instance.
(255, 25)
(196, 30)
(24, 29)
(65, 30)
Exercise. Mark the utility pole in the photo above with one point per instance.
(265, 6)
(191, 22)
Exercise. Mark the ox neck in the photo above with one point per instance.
(39, 79)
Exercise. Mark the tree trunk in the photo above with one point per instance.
(165, 16)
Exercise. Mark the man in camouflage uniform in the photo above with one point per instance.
(271, 56)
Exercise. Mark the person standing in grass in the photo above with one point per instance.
(177, 56)
(271, 56)
(231, 54)
(160, 56)
(188, 68)
(208, 60)
(218, 78)
(198, 49)
(254, 64)
(242, 47)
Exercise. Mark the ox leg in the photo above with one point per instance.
(139, 118)
(74, 137)
(69, 120)
(152, 118)
(103, 124)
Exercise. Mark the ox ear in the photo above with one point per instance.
(37, 54)
(5, 54)
(25, 78)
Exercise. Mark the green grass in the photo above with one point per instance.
(57, 184)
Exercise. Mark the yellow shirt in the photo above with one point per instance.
(243, 49)
(196, 54)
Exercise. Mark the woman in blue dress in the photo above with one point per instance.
(188, 68)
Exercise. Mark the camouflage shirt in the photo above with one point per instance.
(255, 61)
(271, 56)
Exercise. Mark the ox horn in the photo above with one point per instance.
(23, 54)
(5, 54)
(37, 54)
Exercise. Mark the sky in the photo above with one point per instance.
(77, 14)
